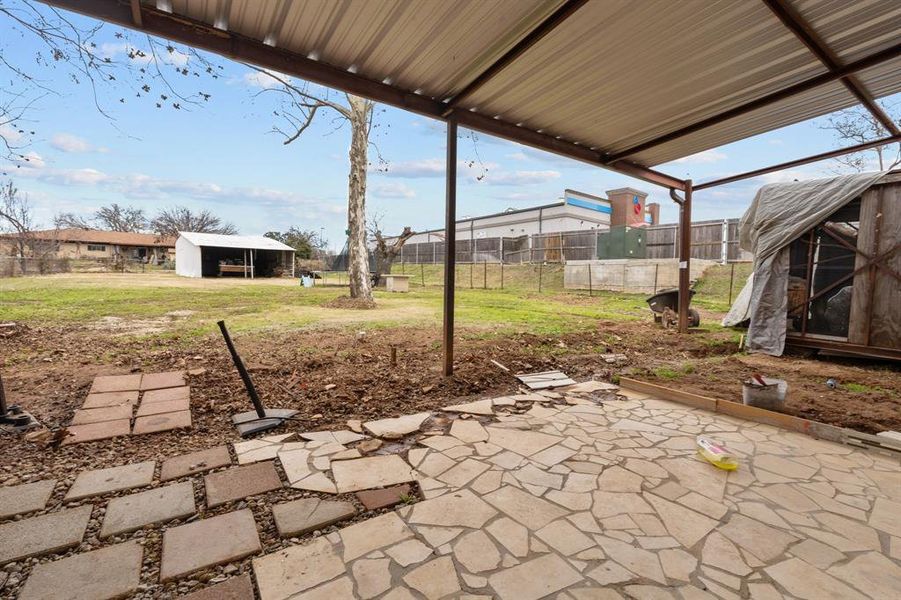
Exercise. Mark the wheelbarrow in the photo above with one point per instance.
(665, 305)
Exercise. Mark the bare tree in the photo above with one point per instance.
(858, 125)
(169, 221)
(146, 68)
(68, 220)
(301, 105)
(121, 218)
(17, 219)
(387, 249)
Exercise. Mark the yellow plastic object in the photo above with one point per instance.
(716, 454)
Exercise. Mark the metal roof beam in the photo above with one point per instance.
(800, 161)
(873, 60)
(793, 20)
(136, 13)
(244, 49)
(563, 12)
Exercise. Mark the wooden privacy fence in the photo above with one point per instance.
(711, 240)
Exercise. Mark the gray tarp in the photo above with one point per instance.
(779, 214)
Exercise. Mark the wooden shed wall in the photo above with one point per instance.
(876, 298)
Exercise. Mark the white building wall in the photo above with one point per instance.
(188, 262)
(546, 220)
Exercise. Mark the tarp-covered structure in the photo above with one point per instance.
(811, 241)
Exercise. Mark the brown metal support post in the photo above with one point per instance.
(684, 257)
(450, 244)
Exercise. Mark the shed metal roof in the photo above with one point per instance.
(245, 242)
(629, 84)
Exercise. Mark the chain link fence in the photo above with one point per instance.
(13, 266)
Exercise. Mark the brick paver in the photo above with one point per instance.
(127, 513)
(107, 399)
(167, 406)
(195, 462)
(116, 383)
(43, 534)
(85, 416)
(25, 498)
(166, 395)
(207, 543)
(113, 479)
(93, 432)
(158, 381)
(164, 422)
(240, 482)
(110, 572)
(376, 499)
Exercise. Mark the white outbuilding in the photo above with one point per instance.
(214, 255)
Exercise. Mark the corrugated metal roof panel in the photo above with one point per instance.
(615, 74)
(248, 242)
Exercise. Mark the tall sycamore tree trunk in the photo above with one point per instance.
(357, 252)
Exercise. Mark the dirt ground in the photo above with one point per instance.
(337, 374)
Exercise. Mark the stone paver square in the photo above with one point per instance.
(371, 472)
(85, 416)
(127, 513)
(207, 543)
(116, 383)
(307, 514)
(113, 479)
(167, 406)
(287, 573)
(236, 588)
(195, 462)
(107, 399)
(43, 534)
(164, 422)
(110, 572)
(159, 381)
(166, 395)
(25, 498)
(93, 432)
(240, 482)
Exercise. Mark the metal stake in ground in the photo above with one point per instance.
(261, 418)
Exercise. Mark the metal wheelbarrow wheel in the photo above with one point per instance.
(665, 305)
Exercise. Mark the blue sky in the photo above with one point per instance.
(223, 155)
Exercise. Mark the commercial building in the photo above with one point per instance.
(576, 211)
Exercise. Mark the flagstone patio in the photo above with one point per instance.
(525, 497)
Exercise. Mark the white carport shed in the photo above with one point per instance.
(214, 255)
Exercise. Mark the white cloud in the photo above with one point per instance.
(520, 177)
(518, 156)
(415, 169)
(140, 186)
(393, 189)
(705, 157)
(11, 134)
(33, 160)
(66, 142)
(259, 79)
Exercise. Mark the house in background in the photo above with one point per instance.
(96, 244)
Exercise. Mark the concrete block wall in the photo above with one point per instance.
(628, 275)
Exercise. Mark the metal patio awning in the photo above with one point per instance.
(625, 84)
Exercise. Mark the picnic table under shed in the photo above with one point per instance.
(214, 255)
